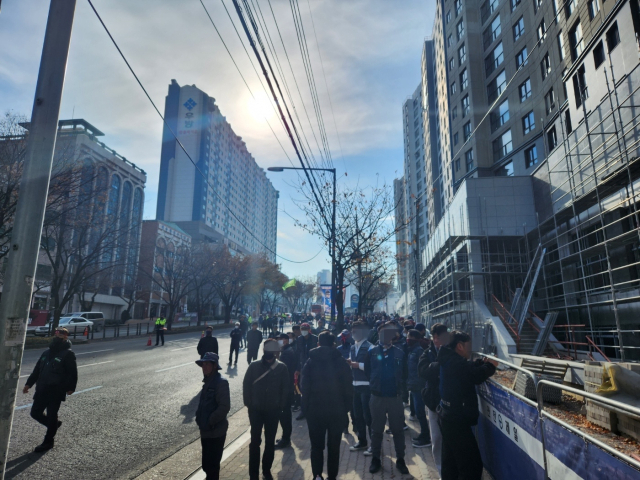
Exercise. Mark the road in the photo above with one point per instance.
(134, 406)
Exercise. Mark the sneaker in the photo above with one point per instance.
(357, 446)
(282, 444)
(43, 447)
(368, 452)
(420, 443)
(412, 418)
(318, 477)
(375, 465)
(401, 466)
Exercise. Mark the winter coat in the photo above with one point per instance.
(362, 356)
(213, 407)
(236, 337)
(254, 339)
(326, 384)
(56, 372)
(458, 380)
(290, 359)
(303, 346)
(207, 344)
(271, 392)
(414, 382)
(429, 370)
(374, 367)
(345, 349)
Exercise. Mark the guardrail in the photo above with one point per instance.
(542, 414)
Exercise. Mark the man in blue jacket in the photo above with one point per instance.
(211, 415)
(387, 373)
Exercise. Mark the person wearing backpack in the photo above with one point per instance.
(55, 376)
(211, 415)
(265, 391)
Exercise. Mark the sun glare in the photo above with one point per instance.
(260, 108)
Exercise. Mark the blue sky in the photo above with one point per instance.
(370, 49)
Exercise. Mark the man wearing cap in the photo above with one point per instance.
(55, 376)
(305, 342)
(265, 391)
(211, 415)
(208, 343)
(288, 357)
(236, 338)
(254, 339)
(344, 346)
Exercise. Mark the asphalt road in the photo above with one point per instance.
(134, 406)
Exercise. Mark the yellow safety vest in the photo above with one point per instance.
(161, 322)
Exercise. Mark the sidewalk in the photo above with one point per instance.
(295, 464)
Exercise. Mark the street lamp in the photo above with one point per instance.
(333, 229)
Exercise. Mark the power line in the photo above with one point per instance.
(180, 143)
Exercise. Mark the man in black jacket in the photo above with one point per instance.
(289, 358)
(458, 410)
(211, 415)
(208, 343)
(265, 390)
(254, 339)
(429, 370)
(359, 357)
(304, 344)
(236, 338)
(327, 397)
(55, 376)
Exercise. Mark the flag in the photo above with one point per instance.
(290, 283)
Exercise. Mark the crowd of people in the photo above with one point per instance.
(365, 376)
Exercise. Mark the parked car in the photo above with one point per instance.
(73, 324)
(97, 317)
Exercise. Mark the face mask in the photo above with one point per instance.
(208, 334)
(268, 356)
(281, 343)
(304, 333)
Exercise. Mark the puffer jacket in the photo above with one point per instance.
(213, 407)
(373, 368)
(56, 372)
(271, 391)
(414, 382)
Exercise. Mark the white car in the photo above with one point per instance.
(73, 324)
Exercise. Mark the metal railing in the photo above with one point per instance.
(618, 407)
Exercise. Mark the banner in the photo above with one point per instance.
(326, 298)
(186, 317)
(354, 301)
(290, 283)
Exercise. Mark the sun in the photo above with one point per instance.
(260, 108)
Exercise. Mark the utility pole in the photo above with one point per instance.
(417, 265)
(334, 291)
(27, 229)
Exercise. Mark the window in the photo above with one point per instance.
(464, 79)
(494, 60)
(598, 54)
(462, 54)
(570, 7)
(460, 30)
(594, 8)
(452, 63)
(561, 46)
(528, 123)
(448, 16)
(576, 41)
(613, 37)
(492, 32)
(545, 66)
(465, 105)
(531, 156)
(449, 40)
(468, 160)
(458, 7)
(500, 116)
(466, 131)
(457, 164)
(496, 86)
(552, 138)
(525, 90)
(518, 29)
(580, 86)
(542, 30)
(567, 121)
(454, 113)
(514, 4)
(502, 145)
(455, 138)
(550, 101)
(505, 171)
(521, 57)
(555, 7)
(487, 8)
(453, 88)
(537, 4)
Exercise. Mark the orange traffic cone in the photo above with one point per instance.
(86, 332)
(149, 341)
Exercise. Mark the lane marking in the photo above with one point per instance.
(185, 364)
(183, 348)
(22, 407)
(99, 363)
(96, 351)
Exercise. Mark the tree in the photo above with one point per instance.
(203, 297)
(232, 277)
(298, 294)
(267, 283)
(373, 278)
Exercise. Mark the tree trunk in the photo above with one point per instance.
(339, 300)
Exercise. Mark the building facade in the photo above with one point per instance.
(223, 190)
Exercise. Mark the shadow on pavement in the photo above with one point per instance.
(232, 371)
(18, 465)
(189, 410)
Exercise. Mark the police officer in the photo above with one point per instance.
(55, 376)
(160, 328)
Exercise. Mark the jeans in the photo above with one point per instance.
(421, 413)
(252, 355)
(331, 427)
(50, 420)
(436, 439)
(212, 449)
(460, 453)
(286, 420)
(362, 412)
(243, 340)
(259, 419)
(381, 407)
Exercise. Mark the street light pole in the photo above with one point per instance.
(333, 230)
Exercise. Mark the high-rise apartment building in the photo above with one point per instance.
(225, 190)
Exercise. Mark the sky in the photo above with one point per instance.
(368, 51)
